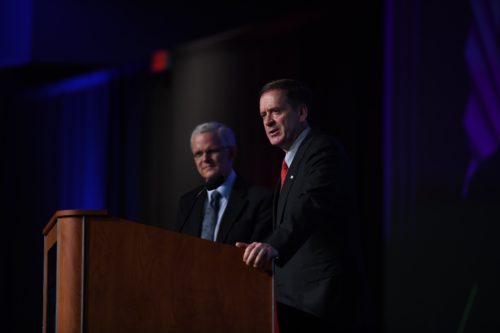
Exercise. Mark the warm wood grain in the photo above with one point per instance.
(69, 274)
(120, 276)
(72, 213)
(145, 279)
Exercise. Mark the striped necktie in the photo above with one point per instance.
(210, 218)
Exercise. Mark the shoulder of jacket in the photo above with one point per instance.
(191, 193)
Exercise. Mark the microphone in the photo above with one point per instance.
(211, 184)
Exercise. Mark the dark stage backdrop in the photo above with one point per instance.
(441, 147)
(421, 125)
(118, 138)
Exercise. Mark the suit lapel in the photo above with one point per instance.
(291, 178)
(236, 204)
(193, 224)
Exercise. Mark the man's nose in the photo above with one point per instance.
(268, 120)
(206, 157)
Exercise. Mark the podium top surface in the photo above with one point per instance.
(72, 212)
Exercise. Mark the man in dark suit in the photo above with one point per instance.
(314, 240)
(241, 212)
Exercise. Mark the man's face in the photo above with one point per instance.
(210, 157)
(282, 122)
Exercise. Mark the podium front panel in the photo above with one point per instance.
(145, 279)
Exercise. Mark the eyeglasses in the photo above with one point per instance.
(209, 152)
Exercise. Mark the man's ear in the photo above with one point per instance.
(303, 112)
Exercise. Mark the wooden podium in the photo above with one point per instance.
(104, 274)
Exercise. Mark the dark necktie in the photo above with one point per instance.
(210, 218)
(284, 170)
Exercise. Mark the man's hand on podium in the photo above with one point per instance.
(258, 255)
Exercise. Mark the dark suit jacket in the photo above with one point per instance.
(247, 216)
(314, 230)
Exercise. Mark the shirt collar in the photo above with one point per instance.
(290, 154)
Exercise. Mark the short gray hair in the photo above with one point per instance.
(225, 134)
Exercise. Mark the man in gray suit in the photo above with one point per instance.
(242, 211)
